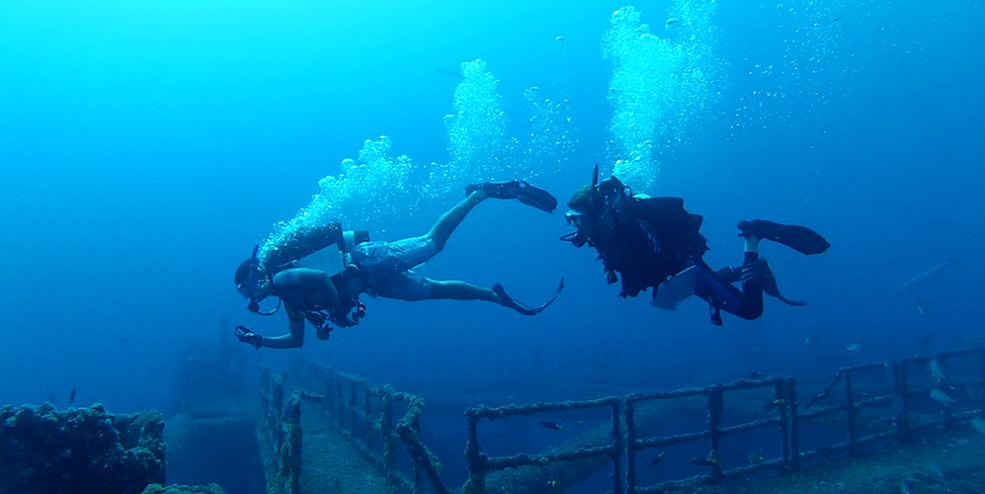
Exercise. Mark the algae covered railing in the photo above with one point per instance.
(480, 464)
(783, 412)
(901, 375)
(362, 412)
(282, 430)
(783, 392)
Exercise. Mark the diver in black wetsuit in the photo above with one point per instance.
(383, 269)
(655, 243)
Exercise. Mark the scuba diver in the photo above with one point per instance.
(381, 269)
(653, 242)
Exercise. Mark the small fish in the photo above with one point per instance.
(853, 347)
(552, 483)
(811, 342)
(756, 456)
(979, 424)
(756, 350)
(534, 88)
(941, 397)
(657, 459)
(559, 39)
(920, 278)
(706, 461)
(904, 487)
(547, 424)
(920, 307)
(777, 403)
(755, 375)
(71, 396)
(672, 21)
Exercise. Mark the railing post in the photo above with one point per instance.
(782, 393)
(850, 408)
(386, 431)
(716, 405)
(415, 425)
(630, 445)
(328, 384)
(370, 430)
(794, 462)
(477, 468)
(616, 450)
(294, 437)
(903, 420)
(277, 402)
(354, 419)
(339, 397)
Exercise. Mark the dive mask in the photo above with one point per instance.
(574, 218)
(251, 287)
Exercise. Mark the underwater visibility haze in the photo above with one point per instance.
(146, 147)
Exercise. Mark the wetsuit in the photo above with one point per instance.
(651, 239)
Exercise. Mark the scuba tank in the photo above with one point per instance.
(303, 243)
(299, 244)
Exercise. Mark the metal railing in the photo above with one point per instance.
(362, 412)
(480, 464)
(788, 413)
(783, 389)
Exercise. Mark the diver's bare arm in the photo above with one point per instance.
(295, 339)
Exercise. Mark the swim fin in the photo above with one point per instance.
(523, 308)
(798, 238)
(519, 190)
(675, 289)
(770, 288)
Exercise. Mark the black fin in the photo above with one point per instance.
(523, 308)
(519, 190)
(798, 238)
(770, 288)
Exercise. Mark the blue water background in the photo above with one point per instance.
(145, 147)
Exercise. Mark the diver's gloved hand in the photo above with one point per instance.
(249, 337)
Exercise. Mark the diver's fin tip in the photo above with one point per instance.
(799, 238)
(520, 190)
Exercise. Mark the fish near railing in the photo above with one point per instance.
(784, 395)
(481, 464)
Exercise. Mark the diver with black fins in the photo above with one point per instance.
(653, 242)
(381, 269)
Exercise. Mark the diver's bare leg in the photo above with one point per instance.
(449, 221)
(460, 290)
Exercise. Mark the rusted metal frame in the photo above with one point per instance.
(631, 448)
(851, 411)
(794, 461)
(616, 450)
(716, 407)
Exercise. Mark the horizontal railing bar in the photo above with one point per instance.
(493, 413)
(504, 462)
